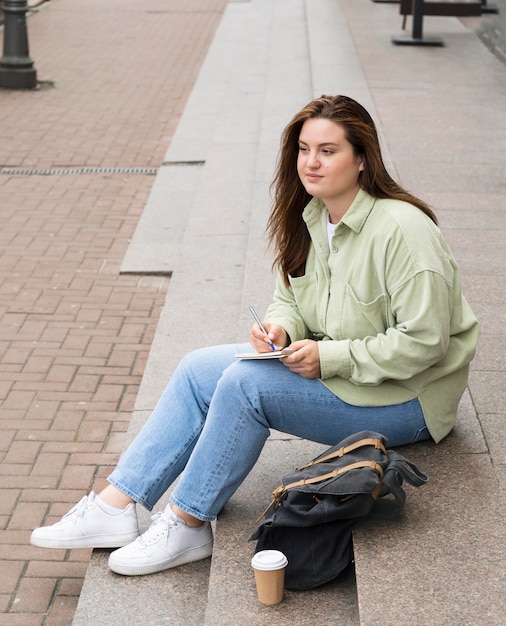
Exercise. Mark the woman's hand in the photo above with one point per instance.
(306, 359)
(275, 335)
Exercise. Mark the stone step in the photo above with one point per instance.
(442, 562)
(232, 595)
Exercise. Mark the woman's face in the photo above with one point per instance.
(327, 165)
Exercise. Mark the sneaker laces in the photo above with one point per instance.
(78, 510)
(162, 523)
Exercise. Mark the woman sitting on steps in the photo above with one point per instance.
(368, 297)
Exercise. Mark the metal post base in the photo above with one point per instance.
(18, 78)
(406, 40)
(16, 67)
(489, 8)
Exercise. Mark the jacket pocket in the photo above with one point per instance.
(363, 319)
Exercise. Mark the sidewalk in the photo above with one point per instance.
(71, 319)
(74, 333)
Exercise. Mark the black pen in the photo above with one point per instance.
(257, 320)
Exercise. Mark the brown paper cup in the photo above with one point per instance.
(269, 567)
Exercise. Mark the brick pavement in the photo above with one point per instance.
(74, 333)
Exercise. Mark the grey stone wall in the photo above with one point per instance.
(492, 29)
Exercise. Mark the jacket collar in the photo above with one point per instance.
(355, 217)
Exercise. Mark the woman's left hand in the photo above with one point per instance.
(306, 359)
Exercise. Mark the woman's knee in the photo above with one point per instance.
(198, 362)
(240, 377)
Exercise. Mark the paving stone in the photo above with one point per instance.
(34, 595)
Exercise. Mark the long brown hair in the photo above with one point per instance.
(286, 228)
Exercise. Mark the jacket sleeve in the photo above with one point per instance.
(285, 313)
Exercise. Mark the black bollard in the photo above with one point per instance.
(16, 67)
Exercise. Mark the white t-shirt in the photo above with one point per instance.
(331, 229)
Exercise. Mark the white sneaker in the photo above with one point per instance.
(167, 543)
(86, 525)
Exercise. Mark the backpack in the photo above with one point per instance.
(313, 512)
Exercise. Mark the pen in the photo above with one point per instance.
(261, 326)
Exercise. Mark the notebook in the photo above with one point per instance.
(275, 354)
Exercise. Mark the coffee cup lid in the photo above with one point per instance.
(269, 560)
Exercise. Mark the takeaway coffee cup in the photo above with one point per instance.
(269, 567)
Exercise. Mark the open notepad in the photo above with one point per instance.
(275, 354)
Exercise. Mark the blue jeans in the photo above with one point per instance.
(214, 417)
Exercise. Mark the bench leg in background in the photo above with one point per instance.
(417, 39)
(488, 8)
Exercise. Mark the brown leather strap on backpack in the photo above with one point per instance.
(280, 491)
(342, 451)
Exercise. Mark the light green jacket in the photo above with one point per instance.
(386, 302)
